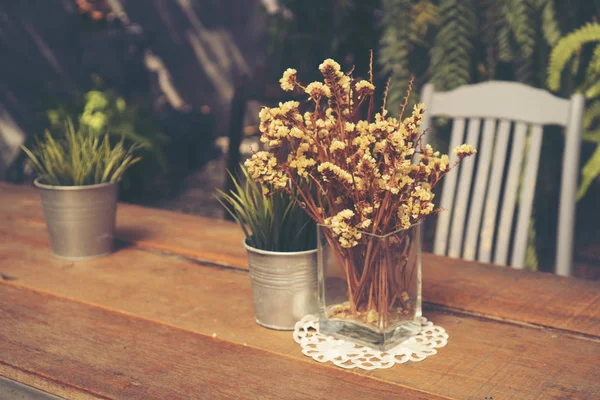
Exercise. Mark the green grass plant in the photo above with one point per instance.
(270, 222)
(80, 158)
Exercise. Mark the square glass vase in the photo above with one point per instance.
(370, 293)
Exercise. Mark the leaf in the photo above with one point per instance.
(593, 91)
(589, 172)
(451, 55)
(79, 158)
(566, 48)
(268, 221)
(550, 26)
(592, 113)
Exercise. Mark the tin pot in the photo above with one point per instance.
(284, 286)
(80, 219)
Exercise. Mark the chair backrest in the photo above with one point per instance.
(493, 108)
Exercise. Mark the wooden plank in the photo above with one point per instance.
(168, 231)
(448, 191)
(536, 298)
(118, 356)
(510, 194)
(82, 345)
(568, 187)
(527, 193)
(532, 297)
(484, 158)
(488, 227)
(461, 205)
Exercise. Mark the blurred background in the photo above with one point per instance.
(187, 78)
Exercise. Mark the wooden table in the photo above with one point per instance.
(169, 316)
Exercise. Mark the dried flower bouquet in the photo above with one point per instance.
(362, 179)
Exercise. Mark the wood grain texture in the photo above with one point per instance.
(536, 298)
(117, 356)
(483, 358)
(212, 240)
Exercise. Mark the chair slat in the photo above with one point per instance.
(484, 153)
(527, 194)
(459, 213)
(568, 187)
(448, 191)
(510, 194)
(491, 202)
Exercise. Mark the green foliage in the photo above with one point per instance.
(590, 171)
(451, 54)
(519, 16)
(571, 47)
(270, 222)
(550, 27)
(531, 258)
(396, 37)
(100, 108)
(80, 158)
(591, 114)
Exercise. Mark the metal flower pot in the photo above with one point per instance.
(80, 219)
(284, 286)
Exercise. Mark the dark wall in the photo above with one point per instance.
(47, 50)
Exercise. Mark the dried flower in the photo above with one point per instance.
(288, 81)
(464, 150)
(316, 90)
(372, 173)
(365, 88)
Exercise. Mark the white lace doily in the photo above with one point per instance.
(349, 355)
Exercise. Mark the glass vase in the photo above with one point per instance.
(370, 293)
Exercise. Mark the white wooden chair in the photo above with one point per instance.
(467, 229)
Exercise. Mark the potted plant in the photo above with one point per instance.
(374, 184)
(78, 175)
(282, 256)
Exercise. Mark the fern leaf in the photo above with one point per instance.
(565, 49)
(592, 136)
(593, 91)
(505, 51)
(592, 72)
(425, 16)
(451, 55)
(518, 16)
(589, 172)
(492, 20)
(592, 113)
(395, 48)
(550, 27)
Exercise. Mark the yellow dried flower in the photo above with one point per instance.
(329, 64)
(316, 90)
(355, 164)
(262, 167)
(364, 88)
(329, 170)
(347, 235)
(337, 145)
(464, 150)
(288, 81)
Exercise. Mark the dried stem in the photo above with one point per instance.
(357, 176)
